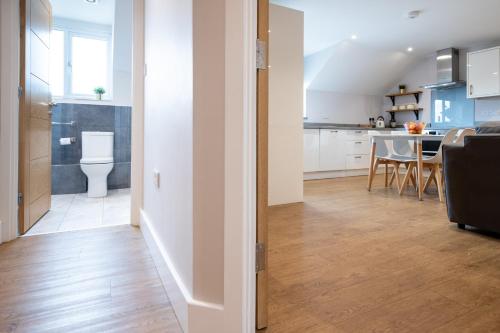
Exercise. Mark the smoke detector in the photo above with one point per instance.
(413, 14)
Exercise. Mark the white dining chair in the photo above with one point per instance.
(434, 164)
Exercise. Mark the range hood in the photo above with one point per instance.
(447, 70)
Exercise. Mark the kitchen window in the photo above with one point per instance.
(80, 62)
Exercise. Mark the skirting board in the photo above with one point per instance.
(194, 316)
(337, 174)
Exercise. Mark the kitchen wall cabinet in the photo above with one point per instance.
(311, 150)
(483, 68)
(331, 150)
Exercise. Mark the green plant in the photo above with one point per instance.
(100, 91)
(402, 87)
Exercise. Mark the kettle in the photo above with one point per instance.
(380, 122)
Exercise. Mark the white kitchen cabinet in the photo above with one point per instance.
(354, 162)
(332, 150)
(483, 68)
(311, 150)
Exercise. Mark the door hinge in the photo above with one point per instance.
(261, 54)
(19, 91)
(260, 257)
(20, 198)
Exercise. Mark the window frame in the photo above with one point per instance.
(97, 34)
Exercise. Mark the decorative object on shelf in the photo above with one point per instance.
(99, 91)
(416, 110)
(411, 107)
(402, 89)
(413, 127)
(402, 107)
(395, 108)
(380, 122)
(393, 123)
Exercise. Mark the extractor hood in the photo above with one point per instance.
(447, 70)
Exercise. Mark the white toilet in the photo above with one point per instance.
(97, 161)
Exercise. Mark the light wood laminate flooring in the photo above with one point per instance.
(349, 260)
(99, 280)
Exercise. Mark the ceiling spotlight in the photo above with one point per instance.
(354, 37)
(413, 14)
(92, 1)
(410, 49)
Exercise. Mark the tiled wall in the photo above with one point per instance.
(67, 176)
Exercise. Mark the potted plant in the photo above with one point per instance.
(99, 91)
(402, 88)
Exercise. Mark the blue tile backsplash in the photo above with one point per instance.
(451, 108)
(67, 176)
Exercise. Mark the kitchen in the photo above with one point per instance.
(344, 244)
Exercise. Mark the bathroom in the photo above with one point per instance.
(91, 88)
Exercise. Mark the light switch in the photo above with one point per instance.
(156, 178)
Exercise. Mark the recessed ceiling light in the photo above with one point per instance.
(413, 14)
(353, 37)
(410, 49)
(92, 1)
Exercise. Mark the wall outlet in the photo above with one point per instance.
(156, 178)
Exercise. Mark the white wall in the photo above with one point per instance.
(341, 108)
(9, 81)
(168, 138)
(122, 53)
(286, 80)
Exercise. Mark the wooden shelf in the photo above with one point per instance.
(408, 93)
(416, 111)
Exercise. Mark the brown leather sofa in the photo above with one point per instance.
(472, 180)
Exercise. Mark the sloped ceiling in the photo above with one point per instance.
(101, 12)
(349, 67)
(376, 61)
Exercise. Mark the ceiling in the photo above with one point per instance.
(383, 24)
(378, 59)
(102, 12)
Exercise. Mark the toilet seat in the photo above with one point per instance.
(97, 160)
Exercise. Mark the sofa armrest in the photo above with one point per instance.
(455, 181)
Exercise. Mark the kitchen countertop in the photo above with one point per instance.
(347, 127)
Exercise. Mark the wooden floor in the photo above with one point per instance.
(351, 261)
(100, 280)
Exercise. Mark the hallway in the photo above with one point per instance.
(99, 280)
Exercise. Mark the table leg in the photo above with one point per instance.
(420, 170)
(371, 171)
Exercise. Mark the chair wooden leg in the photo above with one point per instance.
(430, 179)
(395, 170)
(373, 172)
(396, 175)
(439, 182)
(412, 177)
(406, 179)
(386, 174)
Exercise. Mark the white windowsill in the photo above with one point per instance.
(86, 101)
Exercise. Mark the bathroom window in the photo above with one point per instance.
(80, 62)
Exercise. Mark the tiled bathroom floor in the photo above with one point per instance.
(77, 211)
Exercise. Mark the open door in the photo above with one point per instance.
(262, 162)
(34, 113)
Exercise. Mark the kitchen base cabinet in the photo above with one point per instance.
(311, 150)
(331, 150)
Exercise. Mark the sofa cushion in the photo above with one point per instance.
(489, 128)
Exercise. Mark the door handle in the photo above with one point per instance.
(471, 89)
(52, 104)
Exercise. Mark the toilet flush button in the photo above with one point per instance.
(156, 178)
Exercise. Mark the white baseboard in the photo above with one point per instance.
(194, 316)
(337, 174)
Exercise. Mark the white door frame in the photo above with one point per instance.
(9, 120)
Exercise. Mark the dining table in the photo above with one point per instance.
(418, 147)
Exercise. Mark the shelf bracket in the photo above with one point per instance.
(417, 113)
(393, 116)
(417, 98)
(393, 99)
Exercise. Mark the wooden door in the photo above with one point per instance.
(34, 113)
(262, 166)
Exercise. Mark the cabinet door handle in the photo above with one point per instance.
(471, 89)
(334, 131)
(357, 157)
(358, 132)
(358, 143)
